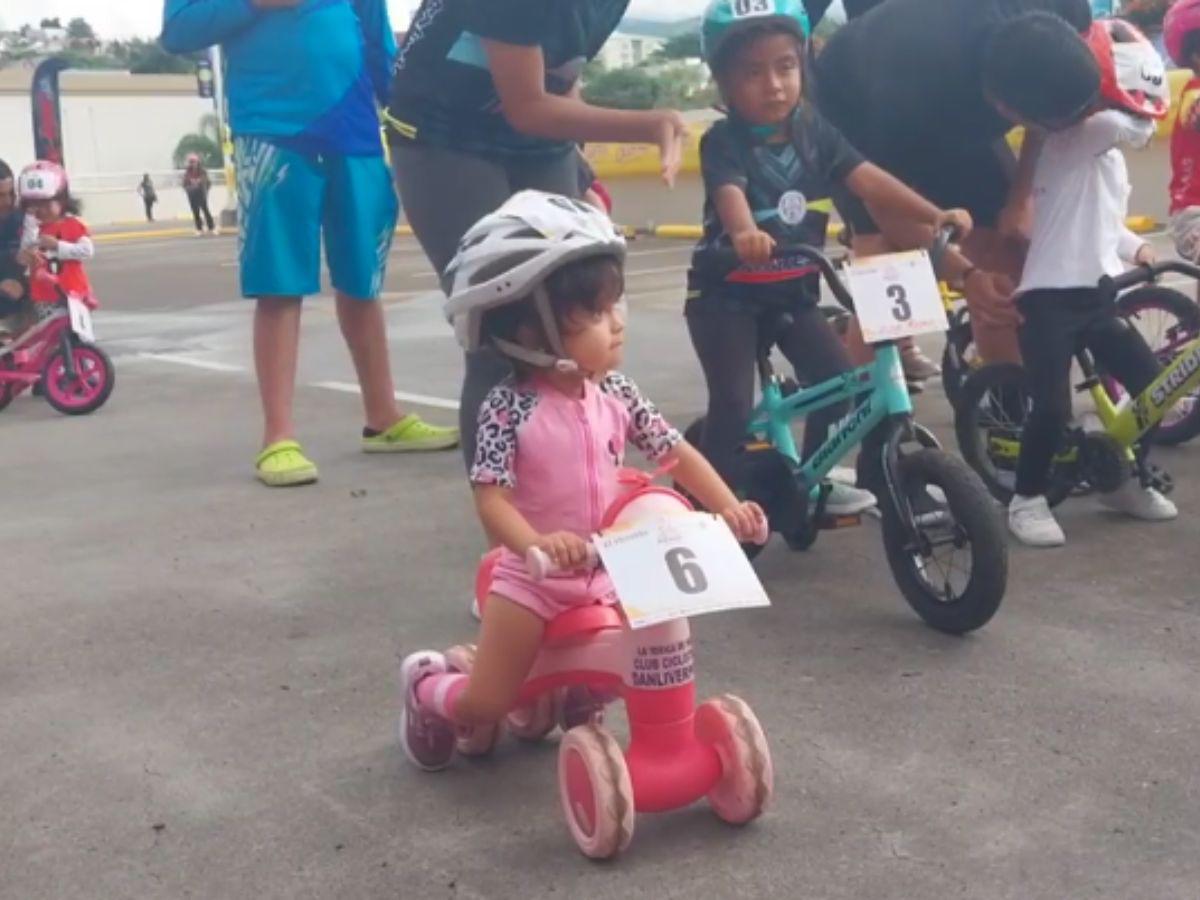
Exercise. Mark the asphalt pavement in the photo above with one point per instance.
(198, 674)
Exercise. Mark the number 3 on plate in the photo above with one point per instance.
(901, 309)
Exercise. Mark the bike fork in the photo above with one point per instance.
(68, 356)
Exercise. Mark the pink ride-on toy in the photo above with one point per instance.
(677, 752)
(76, 376)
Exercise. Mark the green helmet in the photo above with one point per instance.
(725, 18)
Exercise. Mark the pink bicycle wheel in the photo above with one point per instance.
(88, 389)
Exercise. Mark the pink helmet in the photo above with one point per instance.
(1183, 17)
(42, 180)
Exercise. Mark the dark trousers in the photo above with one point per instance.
(198, 200)
(1057, 324)
(149, 202)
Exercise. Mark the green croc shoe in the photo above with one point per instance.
(283, 464)
(411, 434)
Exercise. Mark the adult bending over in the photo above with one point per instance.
(484, 104)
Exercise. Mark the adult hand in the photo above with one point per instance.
(670, 132)
(753, 247)
(11, 288)
(29, 257)
(989, 297)
(745, 520)
(1015, 221)
(567, 549)
(47, 242)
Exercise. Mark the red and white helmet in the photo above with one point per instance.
(1183, 17)
(1132, 74)
(42, 180)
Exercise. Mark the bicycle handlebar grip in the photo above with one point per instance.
(946, 235)
(540, 566)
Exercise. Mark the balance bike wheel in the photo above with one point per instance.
(728, 725)
(955, 575)
(89, 390)
(535, 721)
(596, 792)
(1167, 319)
(480, 740)
(989, 420)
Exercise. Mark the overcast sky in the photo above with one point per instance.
(122, 18)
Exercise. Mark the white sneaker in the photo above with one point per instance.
(918, 366)
(199, 232)
(216, 232)
(1142, 503)
(847, 500)
(1032, 523)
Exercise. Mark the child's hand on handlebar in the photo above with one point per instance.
(754, 247)
(47, 242)
(746, 520)
(958, 219)
(566, 550)
(1145, 256)
(29, 257)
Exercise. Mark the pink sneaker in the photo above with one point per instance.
(427, 739)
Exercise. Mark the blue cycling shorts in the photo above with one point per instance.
(287, 199)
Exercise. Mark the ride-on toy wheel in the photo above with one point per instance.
(91, 387)
(480, 740)
(747, 780)
(535, 721)
(596, 792)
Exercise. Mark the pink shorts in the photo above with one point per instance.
(557, 594)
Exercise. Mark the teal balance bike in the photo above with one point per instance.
(942, 533)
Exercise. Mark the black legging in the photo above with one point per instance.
(198, 200)
(726, 341)
(1057, 323)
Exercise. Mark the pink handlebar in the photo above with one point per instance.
(540, 566)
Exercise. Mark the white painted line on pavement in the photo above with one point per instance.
(193, 363)
(403, 396)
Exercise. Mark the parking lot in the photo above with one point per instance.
(197, 674)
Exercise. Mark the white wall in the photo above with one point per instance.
(109, 139)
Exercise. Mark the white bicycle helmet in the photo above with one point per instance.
(506, 258)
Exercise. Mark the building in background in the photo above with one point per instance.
(634, 41)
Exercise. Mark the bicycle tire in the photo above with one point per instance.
(1179, 430)
(994, 391)
(975, 521)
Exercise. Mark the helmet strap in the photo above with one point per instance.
(558, 360)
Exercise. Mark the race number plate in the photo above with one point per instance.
(679, 566)
(896, 296)
(81, 320)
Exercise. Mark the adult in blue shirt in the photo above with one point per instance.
(303, 78)
(485, 103)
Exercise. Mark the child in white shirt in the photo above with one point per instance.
(1081, 189)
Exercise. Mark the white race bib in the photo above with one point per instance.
(678, 566)
(896, 295)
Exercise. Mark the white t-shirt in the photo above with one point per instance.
(1080, 199)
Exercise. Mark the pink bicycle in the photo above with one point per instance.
(58, 353)
(677, 752)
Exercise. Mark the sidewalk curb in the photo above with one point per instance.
(112, 237)
(1136, 224)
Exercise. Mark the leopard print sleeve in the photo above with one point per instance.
(503, 412)
(652, 434)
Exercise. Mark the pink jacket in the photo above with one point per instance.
(561, 455)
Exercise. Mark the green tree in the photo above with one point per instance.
(682, 46)
(205, 142)
(623, 89)
(148, 57)
(50, 23)
(78, 30)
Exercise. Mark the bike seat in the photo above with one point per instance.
(580, 621)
